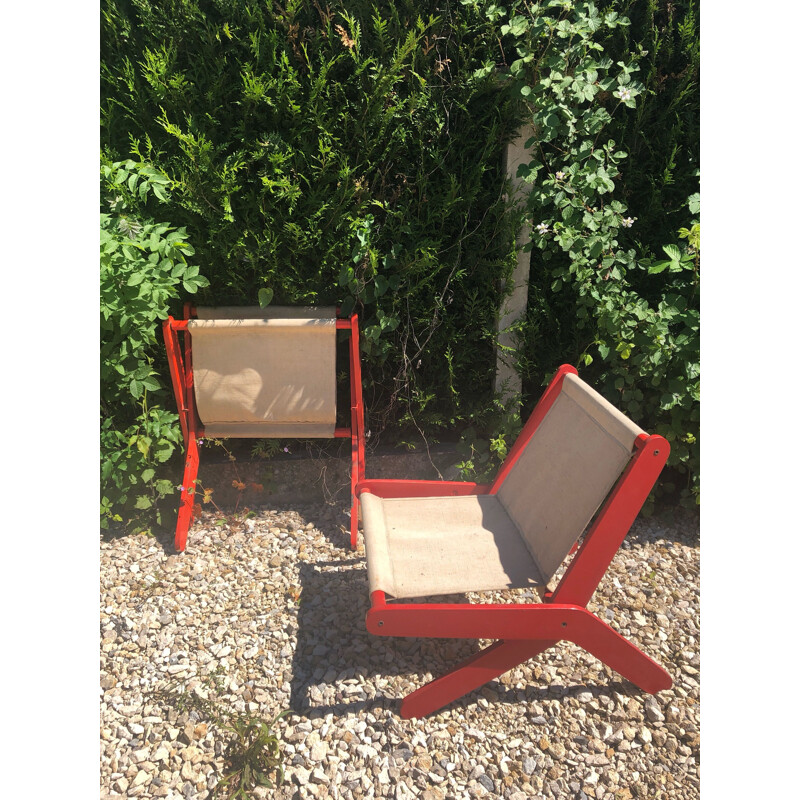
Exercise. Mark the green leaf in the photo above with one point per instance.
(164, 487)
(516, 27)
(163, 451)
(151, 384)
(673, 253)
(624, 349)
(265, 297)
(595, 247)
(147, 475)
(143, 502)
(381, 285)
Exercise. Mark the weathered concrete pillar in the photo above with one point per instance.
(507, 381)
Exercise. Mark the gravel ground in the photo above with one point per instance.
(274, 607)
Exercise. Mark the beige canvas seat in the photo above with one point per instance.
(579, 465)
(423, 546)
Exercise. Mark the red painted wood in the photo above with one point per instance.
(480, 621)
(358, 457)
(188, 494)
(474, 672)
(524, 631)
(601, 641)
(195, 425)
(175, 362)
(387, 487)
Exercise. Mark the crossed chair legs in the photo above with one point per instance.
(522, 631)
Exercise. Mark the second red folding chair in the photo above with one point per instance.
(261, 373)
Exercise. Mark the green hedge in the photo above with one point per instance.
(351, 153)
(143, 266)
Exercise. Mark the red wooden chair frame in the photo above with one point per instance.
(180, 368)
(525, 630)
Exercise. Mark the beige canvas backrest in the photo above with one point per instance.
(565, 472)
(265, 372)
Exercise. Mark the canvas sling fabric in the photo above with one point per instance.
(566, 471)
(269, 377)
(419, 547)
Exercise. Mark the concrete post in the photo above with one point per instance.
(507, 381)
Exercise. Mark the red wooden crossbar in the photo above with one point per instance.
(182, 376)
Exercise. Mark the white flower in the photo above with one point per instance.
(627, 222)
(560, 176)
(624, 93)
(542, 228)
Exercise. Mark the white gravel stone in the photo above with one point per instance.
(275, 609)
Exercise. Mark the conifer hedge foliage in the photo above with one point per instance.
(351, 153)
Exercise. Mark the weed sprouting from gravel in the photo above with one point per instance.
(252, 753)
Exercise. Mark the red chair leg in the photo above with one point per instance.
(354, 479)
(488, 664)
(354, 524)
(600, 640)
(615, 651)
(188, 494)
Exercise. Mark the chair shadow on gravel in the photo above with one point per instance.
(163, 538)
(335, 653)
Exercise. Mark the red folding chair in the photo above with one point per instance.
(260, 373)
(575, 455)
